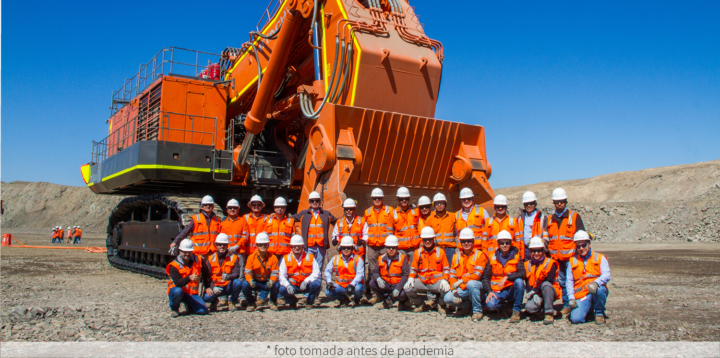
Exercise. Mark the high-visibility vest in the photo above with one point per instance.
(561, 244)
(61, 233)
(585, 273)
(499, 271)
(316, 231)
(539, 225)
(406, 228)
(353, 230)
(391, 269)
(255, 225)
(55, 234)
(196, 268)
(540, 272)
(345, 272)
(297, 273)
(259, 270)
(444, 229)
(202, 236)
(280, 231)
(70, 233)
(467, 268)
(431, 266)
(475, 221)
(77, 233)
(218, 270)
(236, 230)
(493, 226)
(380, 225)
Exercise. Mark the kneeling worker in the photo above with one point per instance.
(466, 269)
(261, 274)
(542, 281)
(428, 273)
(226, 274)
(185, 273)
(503, 278)
(588, 273)
(299, 273)
(348, 270)
(391, 274)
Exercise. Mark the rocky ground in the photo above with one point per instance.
(659, 292)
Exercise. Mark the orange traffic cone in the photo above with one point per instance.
(6, 240)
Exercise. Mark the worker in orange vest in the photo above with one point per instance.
(55, 234)
(203, 229)
(185, 273)
(345, 275)
(504, 277)
(391, 274)
(77, 235)
(532, 221)
(69, 235)
(499, 222)
(542, 281)
(429, 273)
(299, 273)
(471, 216)
(351, 225)
(280, 228)
(226, 270)
(588, 273)
(261, 275)
(235, 227)
(255, 222)
(425, 209)
(443, 224)
(405, 220)
(561, 227)
(466, 269)
(379, 220)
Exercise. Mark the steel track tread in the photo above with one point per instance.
(154, 271)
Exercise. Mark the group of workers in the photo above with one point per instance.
(467, 263)
(73, 234)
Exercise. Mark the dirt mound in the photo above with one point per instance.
(43, 205)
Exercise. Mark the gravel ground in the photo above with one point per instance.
(659, 292)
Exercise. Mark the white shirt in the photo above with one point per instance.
(601, 281)
(336, 231)
(359, 269)
(283, 278)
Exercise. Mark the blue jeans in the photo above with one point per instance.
(472, 294)
(232, 289)
(76, 240)
(260, 286)
(512, 294)
(312, 289)
(193, 302)
(596, 301)
(562, 280)
(339, 292)
(319, 253)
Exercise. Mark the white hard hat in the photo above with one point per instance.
(68, 228)
(559, 194)
(256, 198)
(347, 241)
(77, 227)
(262, 238)
(280, 201)
(349, 203)
(234, 203)
(424, 200)
(222, 239)
(207, 199)
(297, 240)
(529, 197)
(403, 192)
(500, 200)
(466, 234)
(536, 243)
(581, 235)
(466, 193)
(314, 195)
(377, 193)
(439, 197)
(427, 233)
(504, 235)
(186, 245)
(391, 240)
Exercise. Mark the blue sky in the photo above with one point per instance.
(565, 90)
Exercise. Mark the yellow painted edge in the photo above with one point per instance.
(247, 87)
(324, 47)
(359, 53)
(159, 166)
(91, 184)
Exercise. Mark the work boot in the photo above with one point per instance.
(565, 310)
(477, 317)
(273, 306)
(375, 299)
(403, 305)
(232, 306)
(515, 318)
(281, 301)
(343, 303)
(174, 314)
(599, 319)
(243, 303)
(293, 305)
(356, 303)
(261, 302)
(303, 301)
(222, 302)
(549, 319)
(462, 312)
(213, 306)
(443, 309)
(309, 307)
(387, 304)
(420, 308)
(251, 308)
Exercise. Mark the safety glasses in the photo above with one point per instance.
(557, 202)
(503, 243)
(207, 205)
(530, 204)
(424, 207)
(583, 245)
(344, 248)
(314, 200)
(466, 200)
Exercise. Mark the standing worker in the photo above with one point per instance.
(55, 235)
(531, 221)
(429, 273)
(255, 222)
(390, 275)
(380, 224)
(587, 276)
(280, 228)
(69, 235)
(345, 275)
(185, 273)
(466, 269)
(299, 273)
(203, 229)
(351, 225)
(443, 224)
(405, 221)
(503, 278)
(561, 227)
(226, 271)
(61, 234)
(425, 209)
(499, 222)
(261, 274)
(542, 281)
(77, 235)
(235, 227)
(471, 216)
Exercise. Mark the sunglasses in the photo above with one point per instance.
(390, 248)
(375, 199)
(233, 208)
(500, 207)
(349, 209)
(559, 202)
(536, 251)
(314, 200)
(346, 248)
(204, 205)
(528, 204)
(504, 243)
(262, 245)
(463, 242)
(466, 199)
(403, 199)
(424, 207)
(255, 205)
(582, 246)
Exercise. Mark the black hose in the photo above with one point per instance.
(257, 60)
